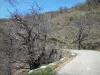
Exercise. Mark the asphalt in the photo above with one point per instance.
(87, 62)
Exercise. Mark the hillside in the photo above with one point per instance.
(34, 39)
(62, 24)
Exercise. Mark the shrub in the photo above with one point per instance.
(93, 46)
(82, 7)
(93, 1)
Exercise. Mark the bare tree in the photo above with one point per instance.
(12, 2)
(63, 9)
(81, 27)
(29, 36)
(31, 31)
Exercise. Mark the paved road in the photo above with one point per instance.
(85, 63)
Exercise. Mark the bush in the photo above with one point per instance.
(82, 7)
(93, 1)
(86, 7)
(93, 46)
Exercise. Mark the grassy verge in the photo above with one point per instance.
(98, 50)
(51, 69)
(63, 62)
(46, 71)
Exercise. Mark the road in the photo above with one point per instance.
(87, 62)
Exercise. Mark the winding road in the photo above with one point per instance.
(87, 62)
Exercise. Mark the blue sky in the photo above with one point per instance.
(24, 5)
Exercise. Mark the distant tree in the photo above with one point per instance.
(63, 9)
(93, 1)
(81, 32)
(80, 27)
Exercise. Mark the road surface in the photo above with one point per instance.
(87, 62)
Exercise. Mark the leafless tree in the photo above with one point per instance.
(29, 36)
(31, 31)
(12, 2)
(81, 27)
(63, 9)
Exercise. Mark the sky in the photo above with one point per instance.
(24, 5)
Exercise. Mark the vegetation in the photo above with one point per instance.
(51, 69)
(46, 71)
(34, 39)
(25, 37)
(63, 9)
(93, 1)
(82, 18)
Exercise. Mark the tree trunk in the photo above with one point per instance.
(79, 44)
(34, 65)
